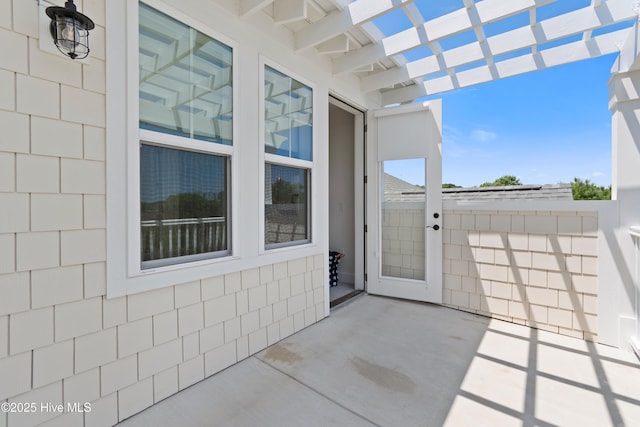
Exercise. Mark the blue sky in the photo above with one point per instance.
(544, 127)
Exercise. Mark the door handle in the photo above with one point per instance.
(436, 227)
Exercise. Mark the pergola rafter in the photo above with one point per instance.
(423, 58)
(356, 13)
(571, 52)
(579, 21)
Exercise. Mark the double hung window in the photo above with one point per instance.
(186, 142)
(288, 124)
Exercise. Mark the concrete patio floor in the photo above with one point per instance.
(380, 361)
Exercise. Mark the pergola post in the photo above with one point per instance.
(624, 103)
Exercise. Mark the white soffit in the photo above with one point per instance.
(408, 49)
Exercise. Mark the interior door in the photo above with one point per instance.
(404, 204)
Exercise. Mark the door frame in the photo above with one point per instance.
(428, 128)
(359, 144)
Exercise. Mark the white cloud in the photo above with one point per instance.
(483, 135)
(597, 174)
(450, 133)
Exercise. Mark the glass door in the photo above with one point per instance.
(404, 212)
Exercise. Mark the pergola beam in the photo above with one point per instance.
(434, 30)
(285, 11)
(249, 7)
(337, 44)
(578, 21)
(570, 52)
(336, 23)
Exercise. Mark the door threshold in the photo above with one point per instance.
(344, 298)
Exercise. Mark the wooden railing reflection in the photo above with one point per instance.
(170, 238)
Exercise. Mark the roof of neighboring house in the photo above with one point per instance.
(397, 190)
(510, 192)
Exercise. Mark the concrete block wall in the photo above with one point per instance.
(536, 268)
(61, 340)
(403, 242)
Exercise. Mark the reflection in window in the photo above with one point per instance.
(288, 116)
(185, 98)
(402, 213)
(183, 205)
(185, 80)
(286, 204)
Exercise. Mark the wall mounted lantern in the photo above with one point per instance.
(70, 30)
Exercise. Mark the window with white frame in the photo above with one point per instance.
(186, 142)
(288, 124)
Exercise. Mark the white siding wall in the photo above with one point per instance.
(151, 345)
(61, 339)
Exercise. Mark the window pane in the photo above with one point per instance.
(183, 204)
(288, 116)
(185, 80)
(286, 204)
(402, 213)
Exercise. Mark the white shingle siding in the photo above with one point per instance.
(95, 279)
(56, 212)
(104, 411)
(31, 329)
(4, 336)
(15, 212)
(7, 172)
(134, 337)
(135, 398)
(108, 351)
(67, 324)
(37, 174)
(165, 383)
(38, 97)
(190, 372)
(537, 268)
(52, 363)
(51, 393)
(15, 372)
(15, 48)
(7, 86)
(95, 350)
(14, 293)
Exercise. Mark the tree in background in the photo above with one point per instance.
(503, 181)
(448, 185)
(587, 190)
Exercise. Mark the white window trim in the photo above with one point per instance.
(124, 271)
(248, 249)
(287, 161)
(166, 140)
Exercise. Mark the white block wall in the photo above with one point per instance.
(61, 340)
(536, 268)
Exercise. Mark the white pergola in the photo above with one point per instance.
(459, 44)
(406, 50)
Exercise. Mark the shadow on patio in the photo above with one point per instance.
(379, 361)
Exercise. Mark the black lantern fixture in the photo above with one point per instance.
(70, 30)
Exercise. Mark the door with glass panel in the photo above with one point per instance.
(404, 244)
